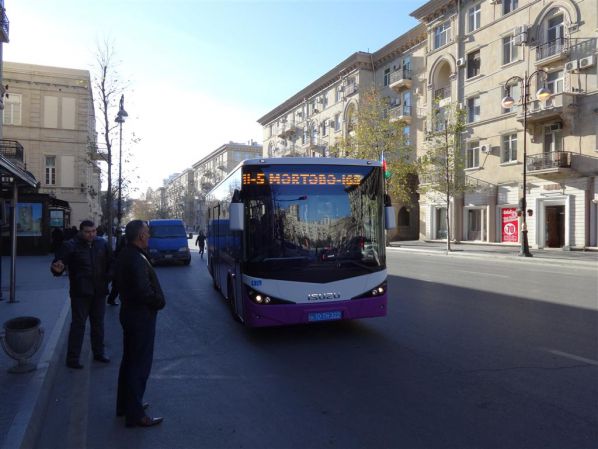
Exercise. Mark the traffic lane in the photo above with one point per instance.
(560, 284)
(390, 382)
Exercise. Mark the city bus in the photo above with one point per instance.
(300, 240)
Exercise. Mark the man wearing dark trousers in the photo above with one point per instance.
(141, 297)
(89, 262)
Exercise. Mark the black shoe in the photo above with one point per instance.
(120, 413)
(74, 365)
(146, 421)
(102, 358)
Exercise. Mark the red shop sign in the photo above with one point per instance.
(510, 225)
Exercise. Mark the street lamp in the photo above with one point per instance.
(120, 119)
(507, 102)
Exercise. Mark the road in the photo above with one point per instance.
(474, 353)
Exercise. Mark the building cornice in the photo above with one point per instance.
(433, 9)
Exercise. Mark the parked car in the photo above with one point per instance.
(168, 242)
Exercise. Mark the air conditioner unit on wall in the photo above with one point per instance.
(485, 149)
(520, 35)
(461, 62)
(571, 66)
(586, 62)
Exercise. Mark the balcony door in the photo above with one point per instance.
(556, 30)
(553, 139)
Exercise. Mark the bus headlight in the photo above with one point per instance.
(263, 299)
(379, 290)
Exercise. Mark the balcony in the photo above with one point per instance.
(350, 89)
(546, 164)
(400, 113)
(400, 79)
(553, 51)
(556, 106)
(13, 151)
(3, 25)
(287, 132)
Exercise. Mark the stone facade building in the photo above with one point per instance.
(49, 110)
(462, 54)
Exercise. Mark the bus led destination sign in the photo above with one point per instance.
(313, 179)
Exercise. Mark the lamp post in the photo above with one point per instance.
(507, 102)
(120, 119)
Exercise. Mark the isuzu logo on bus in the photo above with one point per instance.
(323, 296)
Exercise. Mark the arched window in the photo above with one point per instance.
(404, 217)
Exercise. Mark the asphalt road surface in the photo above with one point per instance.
(473, 354)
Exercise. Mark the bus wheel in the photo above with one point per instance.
(232, 303)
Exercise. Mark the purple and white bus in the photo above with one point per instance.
(299, 240)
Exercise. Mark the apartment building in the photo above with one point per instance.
(462, 53)
(210, 170)
(310, 122)
(49, 111)
(473, 49)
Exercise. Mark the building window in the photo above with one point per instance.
(339, 93)
(337, 122)
(324, 128)
(509, 6)
(472, 155)
(473, 64)
(554, 82)
(509, 148)
(515, 93)
(441, 225)
(386, 77)
(553, 138)
(406, 135)
(442, 34)
(51, 170)
(473, 17)
(12, 109)
(509, 50)
(473, 109)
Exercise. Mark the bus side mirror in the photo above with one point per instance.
(236, 215)
(390, 221)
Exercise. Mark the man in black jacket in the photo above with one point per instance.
(141, 297)
(89, 262)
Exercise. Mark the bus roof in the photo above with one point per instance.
(309, 161)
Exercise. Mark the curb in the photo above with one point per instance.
(27, 423)
(503, 257)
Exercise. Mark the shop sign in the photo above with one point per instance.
(510, 225)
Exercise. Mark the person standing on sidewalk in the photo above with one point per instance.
(141, 297)
(89, 262)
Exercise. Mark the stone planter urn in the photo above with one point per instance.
(21, 339)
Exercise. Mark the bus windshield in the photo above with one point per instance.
(313, 225)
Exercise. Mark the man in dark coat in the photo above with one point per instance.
(201, 242)
(141, 297)
(89, 262)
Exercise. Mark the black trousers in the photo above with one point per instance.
(83, 307)
(139, 330)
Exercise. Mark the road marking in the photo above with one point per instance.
(484, 273)
(573, 357)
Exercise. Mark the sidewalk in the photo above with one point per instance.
(551, 255)
(24, 396)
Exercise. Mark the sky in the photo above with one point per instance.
(198, 74)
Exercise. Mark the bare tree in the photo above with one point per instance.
(441, 167)
(107, 90)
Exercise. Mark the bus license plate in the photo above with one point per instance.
(324, 316)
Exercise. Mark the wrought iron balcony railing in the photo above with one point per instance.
(548, 161)
(3, 25)
(11, 149)
(556, 47)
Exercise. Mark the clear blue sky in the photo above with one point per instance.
(201, 72)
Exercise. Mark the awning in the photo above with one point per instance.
(22, 177)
